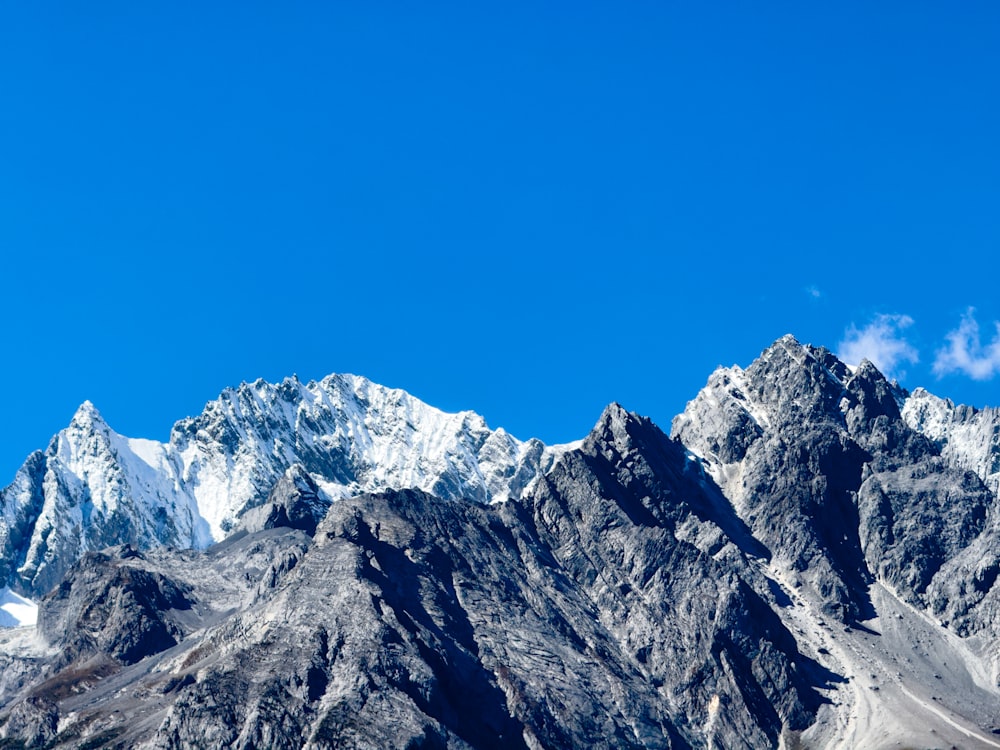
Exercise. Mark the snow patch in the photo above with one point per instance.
(16, 611)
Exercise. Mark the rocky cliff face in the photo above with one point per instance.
(775, 438)
(821, 462)
(969, 437)
(609, 609)
(675, 578)
(805, 562)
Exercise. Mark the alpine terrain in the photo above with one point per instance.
(809, 559)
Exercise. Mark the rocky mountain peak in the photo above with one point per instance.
(791, 382)
(812, 557)
(614, 429)
(296, 501)
(344, 435)
(791, 386)
(968, 436)
(86, 432)
(871, 396)
(86, 414)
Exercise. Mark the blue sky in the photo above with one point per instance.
(525, 209)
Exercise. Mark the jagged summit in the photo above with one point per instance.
(613, 424)
(86, 413)
(969, 436)
(802, 446)
(94, 487)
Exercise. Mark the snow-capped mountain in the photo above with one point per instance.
(969, 436)
(93, 487)
(810, 560)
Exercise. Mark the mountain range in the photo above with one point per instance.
(809, 559)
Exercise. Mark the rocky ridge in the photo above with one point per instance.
(92, 487)
(804, 562)
(967, 436)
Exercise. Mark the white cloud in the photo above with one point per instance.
(814, 292)
(965, 354)
(881, 342)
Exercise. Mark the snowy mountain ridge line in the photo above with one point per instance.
(93, 487)
(966, 435)
(836, 585)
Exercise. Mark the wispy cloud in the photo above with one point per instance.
(881, 342)
(814, 292)
(965, 353)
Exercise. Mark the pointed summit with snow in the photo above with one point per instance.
(93, 487)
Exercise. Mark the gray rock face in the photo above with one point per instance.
(668, 565)
(608, 610)
(792, 477)
(123, 611)
(17, 528)
(295, 502)
(969, 437)
(836, 481)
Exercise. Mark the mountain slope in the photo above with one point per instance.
(868, 520)
(811, 559)
(412, 621)
(969, 437)
(92, 487)
(820, 462)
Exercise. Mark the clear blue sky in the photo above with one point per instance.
(525, 209)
